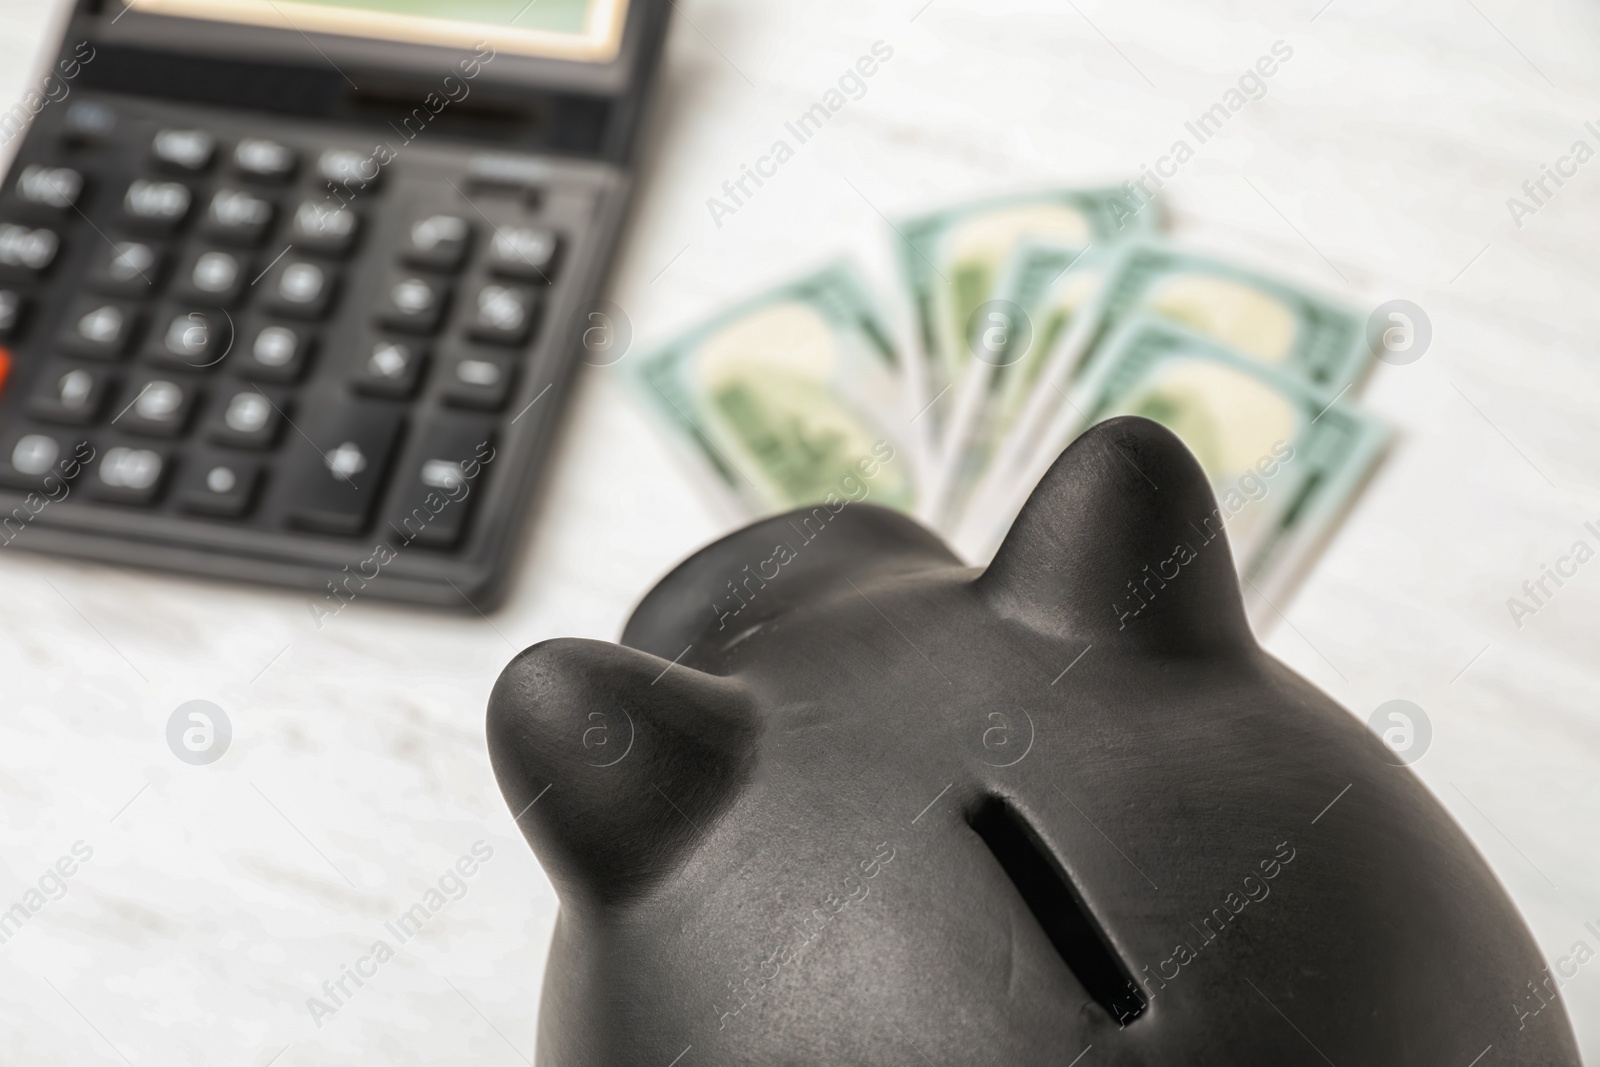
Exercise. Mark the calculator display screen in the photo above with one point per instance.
(582, 30)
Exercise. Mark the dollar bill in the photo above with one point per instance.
(1043, 286)
(951, 260)
(1306, 336)
(1285, 457)
(790, 398)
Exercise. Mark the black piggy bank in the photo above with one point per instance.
(895, 810)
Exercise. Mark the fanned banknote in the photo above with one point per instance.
(791, 396)
(1039, 315)
(1308, 337)
(952, 259)
(1043, 286)
(1285, 457)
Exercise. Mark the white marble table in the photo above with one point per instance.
(218, 899)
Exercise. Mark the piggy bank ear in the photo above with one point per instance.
(1122, 541)
(616, 763)
(770, 567)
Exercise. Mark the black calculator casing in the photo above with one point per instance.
(522, 150)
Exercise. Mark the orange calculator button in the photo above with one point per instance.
(5, 367)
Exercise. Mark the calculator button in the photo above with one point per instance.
(156, 407)
(274, 353)
(320, 227)
(98, 328)
(524, 252)
(57, 188)
(32, 457)
(190, 338)
(479, 381)
(211, 277)
(156, 205)
(237, 217)
(264, 160)
(129, 475)
(390, 369)
(5, 368)
(502, 314)
(218, 485)
(13, 312)
(127, 268)
(438, 485)
(26, 252)
(185, 150)
(413, 303)
(70, 394)
(89, 121)
(438, 242)
(347, 167)
(35, 454)
(299, 289)
(338, 474)
(247, 418)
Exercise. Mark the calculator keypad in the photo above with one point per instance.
(89, 122)
(160, 406)
(275, 352)
(98, 328)
(413, 303)
(235, 216)
(435, 501)
(189, 337)
(323, 228)
(299, 288)
(247, 418)
(390, 368)
(479, 380)
(503, 314)
(127, 268)
(56, 188)
(336, 483)
(71, 394)
(249, 328)
(523, 252)
(264, 160)
(156, 206)
(210, 276)
(29, 458)
(183, 150)
(218, 484)
(26, 252)
(13, 312)
(438, 242)
(125, 475)
(349, 167)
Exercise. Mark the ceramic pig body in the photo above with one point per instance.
(868, 806)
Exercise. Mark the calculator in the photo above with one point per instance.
(295, 292)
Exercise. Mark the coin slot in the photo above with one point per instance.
(1058, 907)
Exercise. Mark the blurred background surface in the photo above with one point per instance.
(1378, 166)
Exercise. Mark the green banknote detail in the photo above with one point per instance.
(1045, 284)
(952, 260)
(1317, 339)
(1305, 336)
(791, 397)
(1284, 456)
